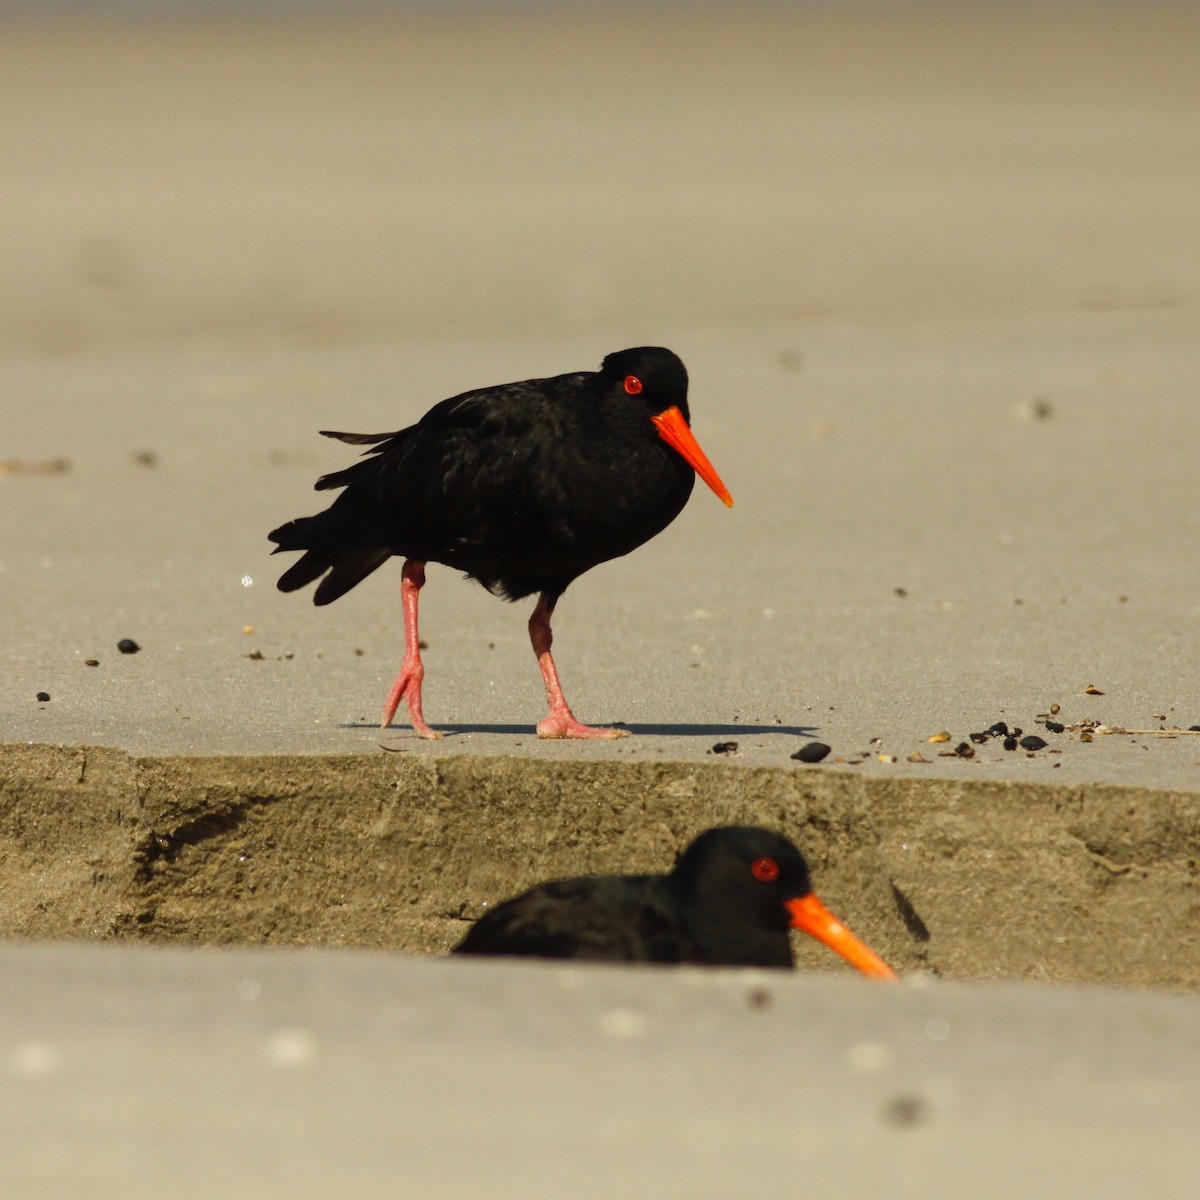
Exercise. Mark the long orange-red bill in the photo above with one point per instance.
(674, 430)
(810, 915)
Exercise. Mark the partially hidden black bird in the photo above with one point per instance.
(523, 486)
(732, 897)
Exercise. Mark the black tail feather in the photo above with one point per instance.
(357, 439)
(289, 535)
(323, 539)
(347, 475)
(312, 566)
(350, 569)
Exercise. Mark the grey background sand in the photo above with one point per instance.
(934, 271)
(883, 239)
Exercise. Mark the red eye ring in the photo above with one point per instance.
(765, 870)
(633, 385)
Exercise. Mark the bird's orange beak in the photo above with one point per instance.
(674, 430)
(810, 915)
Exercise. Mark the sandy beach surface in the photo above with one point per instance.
(935, 273)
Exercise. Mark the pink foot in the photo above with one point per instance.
(408, 683)
(560, 723)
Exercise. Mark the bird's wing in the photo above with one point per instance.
(473, 471)
(603, 919)
(485, 420)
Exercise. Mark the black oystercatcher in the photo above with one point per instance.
(733, 895)
(523, 486)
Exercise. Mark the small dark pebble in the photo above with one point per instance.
(901, 592)
(906, 1112)
(964, 750)
(1055, 726)
(255, 656)
(979, 738)
(128, 646)
(43, 697)
(91, 662)
(1033, 742)
(1194, 728)
(1016, 731)
(1010, 743)
(759, 998)
(812, 753)
(1000, 729)
(724, 748)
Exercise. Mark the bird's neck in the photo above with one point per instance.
(732, 940)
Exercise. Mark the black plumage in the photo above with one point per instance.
(730, 901)
(523, 487)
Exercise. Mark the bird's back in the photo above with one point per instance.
(609, 918)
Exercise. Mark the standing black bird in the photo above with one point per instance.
(733, 895)
(523, 486)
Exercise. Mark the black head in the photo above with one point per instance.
(652, 373)
(658, 379)
(742, 888)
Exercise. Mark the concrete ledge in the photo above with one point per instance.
(130, 1072)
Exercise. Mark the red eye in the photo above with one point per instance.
(765, 870)
(633, 384)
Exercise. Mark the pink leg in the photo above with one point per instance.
(412, 670)
(560, 721)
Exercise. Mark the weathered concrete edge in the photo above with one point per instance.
(962, 878)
